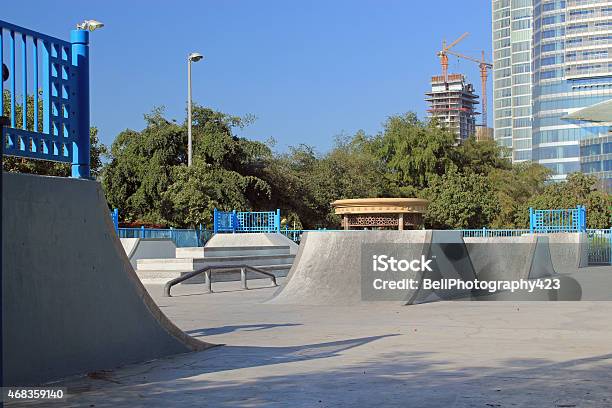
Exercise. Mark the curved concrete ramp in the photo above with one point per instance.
(72, 303)
(327, 268)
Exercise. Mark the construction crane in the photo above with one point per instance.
(484, 66)
(443, 54)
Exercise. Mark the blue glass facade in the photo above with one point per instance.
(571, 68)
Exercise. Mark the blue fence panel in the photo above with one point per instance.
(600, 246)
(56, 74)
(246, 221)
(180, 237)
(563, 220)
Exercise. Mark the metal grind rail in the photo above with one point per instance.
(207, 271)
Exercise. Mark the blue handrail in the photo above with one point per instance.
(63, 69)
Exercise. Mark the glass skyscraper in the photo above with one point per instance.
(570, 69)
(512, 78)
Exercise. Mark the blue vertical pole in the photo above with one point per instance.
(24, 86)
(531, 220)
(234, 221)
(142, 231)
(35, 84)
(215, 228)
(12, 78)
(116, 219)
(278, 226)
(80, 63)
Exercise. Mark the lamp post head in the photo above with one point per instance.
(195, 56)
(90, 25)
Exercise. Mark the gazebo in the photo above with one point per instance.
(370, 213)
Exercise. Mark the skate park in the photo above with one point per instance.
(440, 352)
(252, 316)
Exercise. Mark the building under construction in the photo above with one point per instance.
(452, 103)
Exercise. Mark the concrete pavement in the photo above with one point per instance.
(444, 354)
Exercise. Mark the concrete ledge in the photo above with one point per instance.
(188, 264)
(206, 252)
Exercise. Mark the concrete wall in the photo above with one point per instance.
(252, 239)
(148, 248)
(71, 300)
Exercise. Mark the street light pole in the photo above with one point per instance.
(193, 57)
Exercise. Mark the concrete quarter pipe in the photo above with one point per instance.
(71, 300)
(328, 266)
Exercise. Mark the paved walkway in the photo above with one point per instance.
(448, 354)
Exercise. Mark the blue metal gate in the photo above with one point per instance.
(55, 74)
(246, 221)
(600, 246)
(563, 220)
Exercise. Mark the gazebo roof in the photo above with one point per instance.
(380, 206)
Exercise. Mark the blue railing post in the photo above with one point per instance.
(234, 221)
(277, 220)
(80, 110)
(215, 221)
(142, 231)
(531, 219)
(116, 219)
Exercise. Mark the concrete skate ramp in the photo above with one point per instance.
(327, 268)
(568, 250)
(252, 239)
(450, 261)
(72, 303)
(497, 258)
(148, 248)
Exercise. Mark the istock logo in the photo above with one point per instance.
(384, 263)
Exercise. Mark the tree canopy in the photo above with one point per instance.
(469, 185)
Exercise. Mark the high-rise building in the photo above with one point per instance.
(553, 58)
(452, 103)
(512, 104)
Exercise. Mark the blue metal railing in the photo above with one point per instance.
(562, 220)
(62, 68)
(485, 232)
(181, 237)
(246, 221)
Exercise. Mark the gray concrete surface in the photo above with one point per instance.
(568, 251)
(327, 268)
(148, 248)
(444, 354)
(71, 300)
(252, 239)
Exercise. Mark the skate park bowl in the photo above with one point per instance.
(72, 303)
(329, 267)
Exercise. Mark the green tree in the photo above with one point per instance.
(514, 187)
(413, 152)
(147, 177)
(579, 189)
(460, 200)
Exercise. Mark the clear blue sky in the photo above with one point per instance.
(308, 70)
